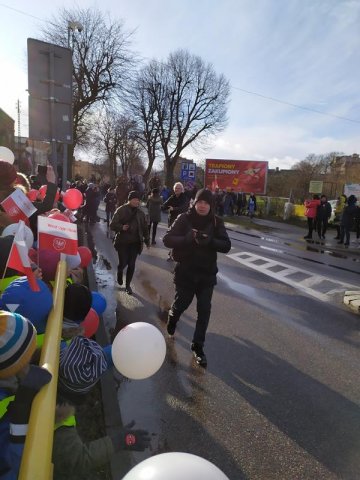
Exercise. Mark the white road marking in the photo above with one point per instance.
(306, 281)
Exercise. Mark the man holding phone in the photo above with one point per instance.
(196, 237)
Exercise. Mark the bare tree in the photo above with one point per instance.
(186, 103)
(114, 139)
(141, 103)
(102, 61)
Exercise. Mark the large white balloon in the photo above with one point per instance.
(7, 155)
(175, 466)
(73, 261)
(12, 229)
(138, 350)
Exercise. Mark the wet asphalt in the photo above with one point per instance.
(280, 398)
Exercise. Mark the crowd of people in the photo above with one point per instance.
(25, 304)
(318, 212)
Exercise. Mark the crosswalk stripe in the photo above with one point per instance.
(304, 280)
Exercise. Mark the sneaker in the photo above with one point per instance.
(128, 290)
(120, 277)
(199, 354)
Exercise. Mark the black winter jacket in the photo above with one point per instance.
(180, 204)
(196, 263)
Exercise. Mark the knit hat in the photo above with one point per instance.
(7, 174)
(205, 195)
(17, 343)
(34, 306)
(77, 302)
(81, 365)
(133, 194)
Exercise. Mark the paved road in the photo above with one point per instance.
(280, 398)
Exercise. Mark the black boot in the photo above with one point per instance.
(128, 290)
(199, 354)
(119, 276)
(171, 324)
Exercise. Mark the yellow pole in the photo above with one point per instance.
(36, 460)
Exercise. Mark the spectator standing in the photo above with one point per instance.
(176, 204)
(252, 205)
(132, 232)
(196, 237)
(154, 204)
(110, 201)
(323, 213)
(310, 213)
(340, 205)
(347, 220)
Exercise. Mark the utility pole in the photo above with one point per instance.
(19, 132)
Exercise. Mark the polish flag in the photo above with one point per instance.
(19, 257)
(18, 206)
(57, 235)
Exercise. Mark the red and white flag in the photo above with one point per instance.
(19, 257)
(18, 206)
(57, 235)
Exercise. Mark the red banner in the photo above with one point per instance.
(248, 176)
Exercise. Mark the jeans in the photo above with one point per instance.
(183, 298)
(127, 257)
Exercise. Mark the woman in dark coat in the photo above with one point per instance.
(154, 204)
(196, 237)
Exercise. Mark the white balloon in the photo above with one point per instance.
(175, 466)
(12, 229)
(7, 155)
(138, 350)
(73, 261)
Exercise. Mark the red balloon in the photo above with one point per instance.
(72, 198)
(32, 194)
(42, 193)
(91, 323)
(60, 216)
(85, 255)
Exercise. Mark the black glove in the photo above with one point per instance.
(131, 439)
(202, 239)
(19, 410)
(189, 237)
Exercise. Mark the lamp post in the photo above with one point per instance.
(72, 27)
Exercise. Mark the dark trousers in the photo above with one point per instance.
(183, 298)
(127, 258)
(311, 226)
(322, 224)
(345, 234)
(154, 228)
(109, 215)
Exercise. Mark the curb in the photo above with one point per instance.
(352, 300)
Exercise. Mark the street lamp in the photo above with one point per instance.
(73, 27)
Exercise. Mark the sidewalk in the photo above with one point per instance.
(290, 233)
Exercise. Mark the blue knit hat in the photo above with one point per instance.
(81, 365)
(35, 306)
(17, 343)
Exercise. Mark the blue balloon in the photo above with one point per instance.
(35, 306)
(98, 302)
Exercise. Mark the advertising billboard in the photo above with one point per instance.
(241, 175)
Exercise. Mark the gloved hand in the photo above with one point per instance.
(132, 439)
(202, 239)
(19, 409)
(189, 237)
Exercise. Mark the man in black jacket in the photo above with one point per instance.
(196, 237)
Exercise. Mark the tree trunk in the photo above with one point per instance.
(169, 178)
